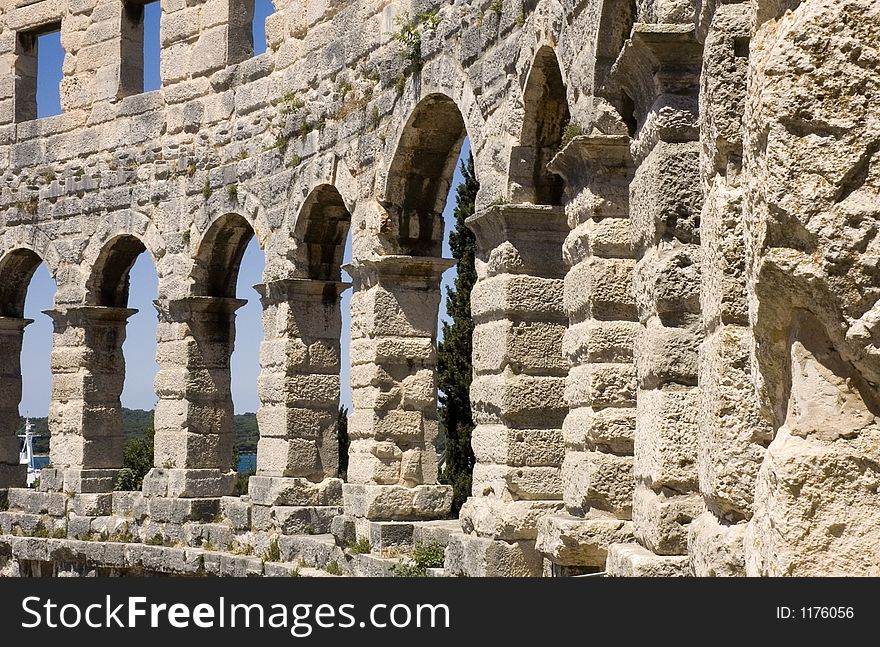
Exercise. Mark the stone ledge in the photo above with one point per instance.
(397, 502)
(473, 556)
(289, 491)
(633, 560)
(580, 541)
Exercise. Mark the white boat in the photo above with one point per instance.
(26, 455)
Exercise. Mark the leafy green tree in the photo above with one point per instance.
(344, 442)
(137, 460)
(454, 367)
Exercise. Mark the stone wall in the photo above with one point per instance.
(675, 356)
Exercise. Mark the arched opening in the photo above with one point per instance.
(121, 331)
(26, 289)
(229, 263)
(421, 174)
(219, 256)
(615, 28)
(546, 116)
(244, 364)
(300, 416)
(394, 424)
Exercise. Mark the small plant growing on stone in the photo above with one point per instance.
(570, 131)
(59, 533)
(333, 568)
(280, 143)
(41, 532)
(521, 19)
(29, 206)
(190, 169)
(232, 192)
(410, 39)
(291, 102)
(497, 6)
(4, 504)
(430, 19)
(155, 540)
(209, 546)
(295, 160)
(170, 464)
(407, 568)
(362, 546)
(429, 555)
(206, 190)
(302, 563)
(374, 118)
(238, 548)
(400, 84)
(273, 552)
(47, 174)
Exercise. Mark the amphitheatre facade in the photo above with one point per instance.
(677, 320)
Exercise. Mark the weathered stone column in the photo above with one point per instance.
(298, 452)
(732, 433)
(597, 472)
(85, 416)
(660, 68)
(11, 335)
(518, 390)
(193, 419)
(392, 468)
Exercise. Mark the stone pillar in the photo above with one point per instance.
(392, 468)
(193, 419)
(661, 64)
(11, 334)
(597, 472)
(518, 392)
(298, 452)
(85, 416)
(732, 433)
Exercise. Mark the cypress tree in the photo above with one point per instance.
(454, 367)
(343, 440)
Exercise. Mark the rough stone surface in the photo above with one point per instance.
(677, 331)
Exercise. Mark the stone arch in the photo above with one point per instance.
(614, 29)
(546, 114)
(108, 283)
(16, 269)
(420, 175)
(321, 229)
(219, 254)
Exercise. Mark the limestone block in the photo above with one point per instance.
(716, 550)
(661, 521)
(188, 483)
(579, 541)
(632, 560)
(532, 483)
(236, 511)
(272, 491)
(302, 520)
(471, 556)
(488, 516)
(601, 385)
(611, 429)
(520, 447)
(509, 295)
(91, 505)
(179, 511)
(129, 505)
(666, 355)
(527, 347)
(732, 434)
(600, 341)
(519, 401)
(396, 503)
(601, 286)
(666, 438)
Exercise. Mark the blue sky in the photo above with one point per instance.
(140, 344)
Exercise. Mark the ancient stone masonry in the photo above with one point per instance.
(676, 313)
